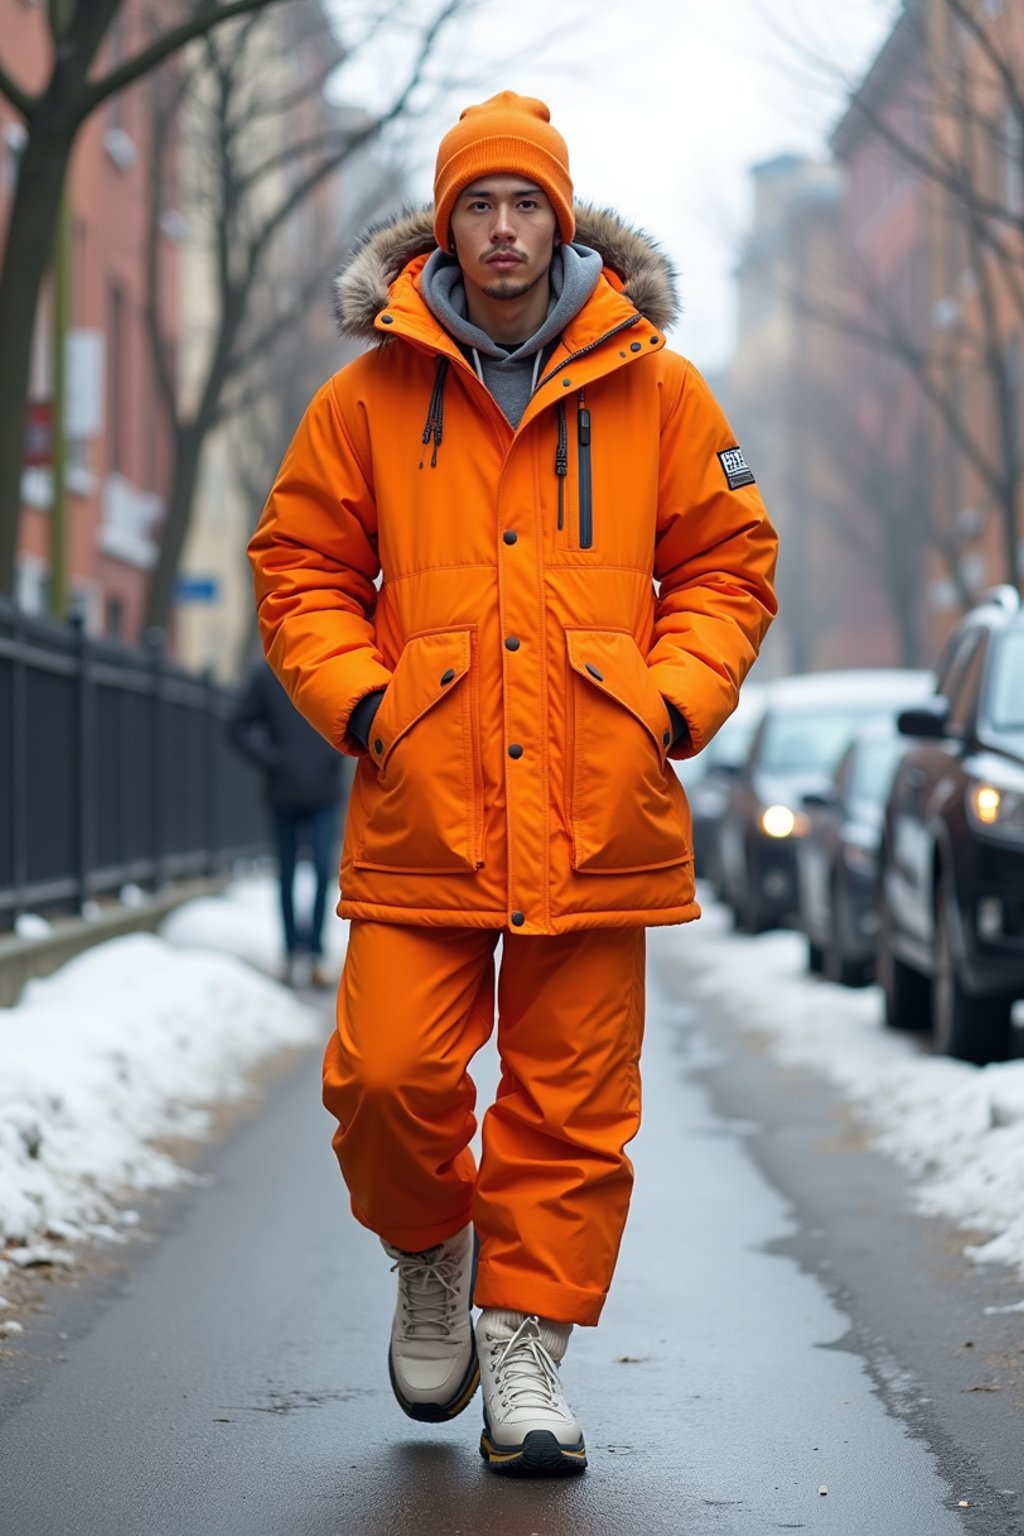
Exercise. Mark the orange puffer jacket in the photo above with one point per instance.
(542, 592)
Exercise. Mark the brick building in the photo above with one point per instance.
(119, 445)
(888, 223)
(776, 387)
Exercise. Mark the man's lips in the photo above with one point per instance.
(504, 259)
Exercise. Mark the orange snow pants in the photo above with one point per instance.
(550, 1197)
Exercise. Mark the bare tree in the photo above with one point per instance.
(53, 117)
(959, 134)
(260, 164)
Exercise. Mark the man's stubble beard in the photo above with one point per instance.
(512, 290)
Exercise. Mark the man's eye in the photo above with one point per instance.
(528, 203)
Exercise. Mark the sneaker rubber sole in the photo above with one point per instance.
(540, 1455)
(439, 1413)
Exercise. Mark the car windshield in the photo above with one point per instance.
(799, 742)
(873, 766)
(1007, 707)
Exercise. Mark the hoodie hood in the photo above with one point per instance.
(573, 276)
(361, 287)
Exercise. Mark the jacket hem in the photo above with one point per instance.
(567, 922)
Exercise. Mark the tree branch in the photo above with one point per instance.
(162, 48)
(19, 99)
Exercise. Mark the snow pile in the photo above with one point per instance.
(956, 1128)
(244, 921)
(133, 1043)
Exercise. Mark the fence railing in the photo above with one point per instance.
(115, 768)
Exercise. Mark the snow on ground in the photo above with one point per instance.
(129, 1045)
(957, 1129)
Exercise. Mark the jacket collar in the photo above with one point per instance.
(383, 277)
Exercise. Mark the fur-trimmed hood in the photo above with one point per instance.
(361, 287)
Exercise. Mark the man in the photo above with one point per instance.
(522, 459)
(302, 780)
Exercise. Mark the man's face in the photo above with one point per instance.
(504, 232)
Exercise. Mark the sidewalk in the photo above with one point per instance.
(244, 1383)
(134, 1042)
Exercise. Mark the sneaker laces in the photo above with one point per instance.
(525, 1374)
(428, 1285)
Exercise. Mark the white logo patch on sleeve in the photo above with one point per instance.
(737, 470)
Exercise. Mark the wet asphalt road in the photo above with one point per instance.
(778, 1324)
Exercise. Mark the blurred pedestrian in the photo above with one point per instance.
(577, 572)
(303, 780)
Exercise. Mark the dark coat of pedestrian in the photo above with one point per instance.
(304, 780)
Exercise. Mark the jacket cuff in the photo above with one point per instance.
(360, 721)
(680, 729)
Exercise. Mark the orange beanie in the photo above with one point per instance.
(507, 135)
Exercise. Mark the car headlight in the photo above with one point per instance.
(780, 821)
(994, 809)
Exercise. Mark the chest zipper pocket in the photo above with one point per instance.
(586, 507)
(561, 462)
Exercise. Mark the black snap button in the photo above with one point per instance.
(512, 643)
(447, 677)
(567, 383)
(518, 919)
(594, 672)
(515, 750)
(666, 740)
(654, 341)
(510, 536)
(635, 346)
(378, 746)
(387, 320)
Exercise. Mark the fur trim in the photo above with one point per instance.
(361, 287)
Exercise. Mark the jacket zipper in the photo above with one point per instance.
(586, 496)
(626, 325)
(561, 462)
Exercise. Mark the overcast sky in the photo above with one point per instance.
(665, 104)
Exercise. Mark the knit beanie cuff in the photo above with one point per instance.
(509, 135)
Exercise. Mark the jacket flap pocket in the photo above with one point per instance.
(430, 667)
(610, 660)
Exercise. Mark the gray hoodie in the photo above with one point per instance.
(511, 376)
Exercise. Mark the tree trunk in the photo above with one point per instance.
(31, 227)
(1008, 508)
(188, 446)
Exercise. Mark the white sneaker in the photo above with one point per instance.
(432, 1360)
(529, 1428)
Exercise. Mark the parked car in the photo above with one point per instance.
(951, 935)
(837, 862)
(806, 724)
(707, 777)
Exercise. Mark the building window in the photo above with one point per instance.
(116, 381)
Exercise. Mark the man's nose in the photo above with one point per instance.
(503, 227)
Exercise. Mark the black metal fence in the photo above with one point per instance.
(114, 768)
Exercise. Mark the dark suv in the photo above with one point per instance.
(951, 931)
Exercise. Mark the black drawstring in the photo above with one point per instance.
(435, 412)
(561, 461)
